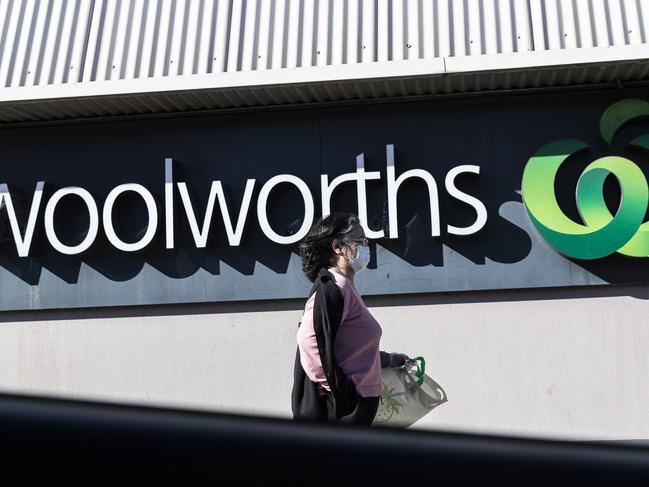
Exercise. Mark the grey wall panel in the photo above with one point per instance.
(542, 354)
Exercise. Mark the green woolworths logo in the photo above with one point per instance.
(601, 233)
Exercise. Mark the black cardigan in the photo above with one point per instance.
(327, 314)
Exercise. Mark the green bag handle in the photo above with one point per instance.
(421, 369)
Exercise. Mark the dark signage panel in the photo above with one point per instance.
(71, 235)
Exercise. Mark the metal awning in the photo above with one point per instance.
(299, 86)
(97, 58)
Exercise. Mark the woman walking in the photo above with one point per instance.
(338, 363)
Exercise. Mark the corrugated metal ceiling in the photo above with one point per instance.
(68, 41)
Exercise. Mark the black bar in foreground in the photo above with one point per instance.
(51, 438)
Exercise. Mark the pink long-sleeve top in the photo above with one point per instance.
(356, 348)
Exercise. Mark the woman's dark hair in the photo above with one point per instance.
(315, 248)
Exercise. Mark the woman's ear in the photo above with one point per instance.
(335, 246)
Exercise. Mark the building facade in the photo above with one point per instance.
(161, 160)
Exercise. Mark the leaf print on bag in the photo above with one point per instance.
(389, 404)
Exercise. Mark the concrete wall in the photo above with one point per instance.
(568, 363)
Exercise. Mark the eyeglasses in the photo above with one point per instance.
(362, 241)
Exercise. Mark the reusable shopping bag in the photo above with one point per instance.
(407, 395)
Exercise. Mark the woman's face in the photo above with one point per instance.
(354, 239)
(347, 248)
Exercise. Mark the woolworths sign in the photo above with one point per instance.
(475, 194)
(234, 219)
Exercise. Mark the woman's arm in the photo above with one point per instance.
(307, 343)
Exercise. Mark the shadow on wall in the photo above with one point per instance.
(415, 245)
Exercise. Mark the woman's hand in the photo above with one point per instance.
(393, 360)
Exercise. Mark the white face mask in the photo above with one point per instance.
(361, 260)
